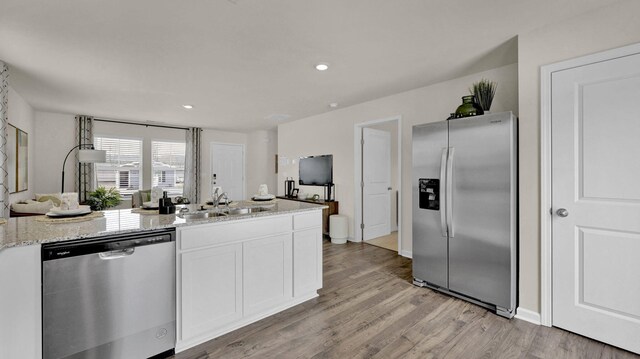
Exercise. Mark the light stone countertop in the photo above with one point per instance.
(24, 231)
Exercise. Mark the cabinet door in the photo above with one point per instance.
(267, 273)
(211, 289)
(307, 261)
(20, 303)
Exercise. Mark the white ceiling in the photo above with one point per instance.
(241, 61)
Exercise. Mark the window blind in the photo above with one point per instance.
(123, 169)
(168, 166)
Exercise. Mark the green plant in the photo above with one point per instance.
(484, 90)
(103, 198)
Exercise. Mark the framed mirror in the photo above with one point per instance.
(17, 159)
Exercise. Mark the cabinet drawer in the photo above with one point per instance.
(307, 220)
(220, 233)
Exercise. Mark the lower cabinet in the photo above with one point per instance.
(211, 293)
(267, 273)
(225, 284)
(307, 264)
(20, 303)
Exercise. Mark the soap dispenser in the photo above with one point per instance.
(165, 206)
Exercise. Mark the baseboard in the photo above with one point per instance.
(351, 239)
(183, 345)
(407, 254)
(528, 315)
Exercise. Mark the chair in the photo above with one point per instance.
(139, 197)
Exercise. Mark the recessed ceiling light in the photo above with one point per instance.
(188, 107)
(323, 66)
(333, 105)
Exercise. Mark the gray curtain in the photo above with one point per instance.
(4, 103)
(192, 165)
(84, 171)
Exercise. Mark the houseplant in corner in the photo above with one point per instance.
(484, 91)
(103, 198)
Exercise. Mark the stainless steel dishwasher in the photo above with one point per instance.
(109, 297)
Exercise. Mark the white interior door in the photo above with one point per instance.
(227, 165)
(376, 179)
(596, 201)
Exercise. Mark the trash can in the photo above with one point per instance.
(338, 228)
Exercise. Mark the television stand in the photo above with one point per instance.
(326, 212)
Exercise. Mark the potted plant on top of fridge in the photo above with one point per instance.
(484, 91)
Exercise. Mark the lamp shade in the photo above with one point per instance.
(92, 156)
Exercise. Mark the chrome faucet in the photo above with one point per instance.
(216, 199)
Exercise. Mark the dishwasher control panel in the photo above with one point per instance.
(104, 244)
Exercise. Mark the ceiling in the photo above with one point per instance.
(240, 62)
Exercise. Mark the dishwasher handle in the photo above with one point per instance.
(120, 253)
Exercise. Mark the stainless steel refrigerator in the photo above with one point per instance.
(465, 209)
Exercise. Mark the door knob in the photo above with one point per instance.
(562, 212)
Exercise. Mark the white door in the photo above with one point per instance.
(596, 201)
(376, 179)
(227, 168)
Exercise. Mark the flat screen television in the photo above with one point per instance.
(316, 170)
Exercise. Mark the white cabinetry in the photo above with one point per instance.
(267, 273)
(307, 261)
(230, 274)
(307, 253)
(20, 303)
(211, 289)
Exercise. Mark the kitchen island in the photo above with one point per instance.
(230, 270)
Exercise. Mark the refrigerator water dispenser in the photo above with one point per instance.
(429, 193)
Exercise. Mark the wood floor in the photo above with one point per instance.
(368, 308)
(389, 241)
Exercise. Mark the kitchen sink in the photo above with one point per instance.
(200, 215)
(248, 210)
(204, 214)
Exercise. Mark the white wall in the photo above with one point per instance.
(55, 134)
(261, 150)
(614, 26)
(21, 115)
(333, 133)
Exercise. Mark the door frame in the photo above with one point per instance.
(357, 168)
(244, 163)
(546, 235)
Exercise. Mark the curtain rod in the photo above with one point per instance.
(141, 124)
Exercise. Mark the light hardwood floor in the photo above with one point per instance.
(368, 308)
(389, 241)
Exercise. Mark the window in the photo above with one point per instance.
(123, 169)
(168, 166)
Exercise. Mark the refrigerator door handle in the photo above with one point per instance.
(443, 202)
(449, 199)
